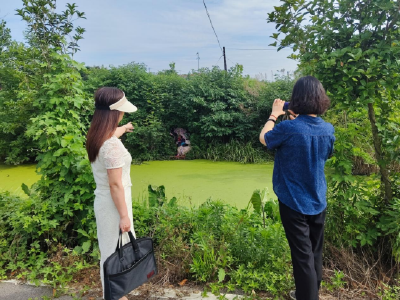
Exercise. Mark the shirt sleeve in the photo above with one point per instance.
(332, 146)
(275, 137)
(112, 153)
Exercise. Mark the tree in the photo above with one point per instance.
(215, 105)
(49, 30)
(18, 64)
(353, 47)
(64, 192)
(22, 70)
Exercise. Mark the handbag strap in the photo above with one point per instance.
(134, 244)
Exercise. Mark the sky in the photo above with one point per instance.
(158, 32)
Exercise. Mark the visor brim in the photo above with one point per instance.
(123, 105)
(127, 107)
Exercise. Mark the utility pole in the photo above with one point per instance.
(224, 58)
(198, 61)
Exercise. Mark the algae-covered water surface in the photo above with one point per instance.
(11, 178)
(192, 182)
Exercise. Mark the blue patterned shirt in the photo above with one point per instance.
(302, 147)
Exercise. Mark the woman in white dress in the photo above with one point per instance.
(111, 170)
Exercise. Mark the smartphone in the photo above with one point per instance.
(286, 106)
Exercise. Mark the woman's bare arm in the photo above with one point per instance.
(123, 129)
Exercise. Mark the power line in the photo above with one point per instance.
(253, 49)
(262, 49)
(212, 25)
(219, 60)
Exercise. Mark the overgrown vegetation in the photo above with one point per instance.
(218, 244)
(45, 109)
(219, 122)
(215, 243)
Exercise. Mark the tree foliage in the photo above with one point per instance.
(353, 48)
(51, 106)
(49, 30)
(23, 69)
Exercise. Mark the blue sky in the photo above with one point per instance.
(158, 32)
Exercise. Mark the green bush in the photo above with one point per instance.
(150, 140)
(33, 246)
(219, 244)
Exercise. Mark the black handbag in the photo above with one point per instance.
(128, 267)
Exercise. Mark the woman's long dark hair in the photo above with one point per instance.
(104, 122)
(309, 97)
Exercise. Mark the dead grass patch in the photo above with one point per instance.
(366, 273)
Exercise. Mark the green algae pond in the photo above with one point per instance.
(191, 181)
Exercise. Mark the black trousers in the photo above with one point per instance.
(305, 235)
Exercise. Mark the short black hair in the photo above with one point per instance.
(309, 97)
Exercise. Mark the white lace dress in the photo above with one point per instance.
(112, 155)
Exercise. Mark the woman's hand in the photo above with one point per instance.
(125, 224)
(128, 127)
(123, 129)
(277, 108)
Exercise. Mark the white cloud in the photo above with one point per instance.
(157, 32)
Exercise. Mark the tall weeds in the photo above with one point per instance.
(237, 151)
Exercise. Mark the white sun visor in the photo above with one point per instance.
(123, 105)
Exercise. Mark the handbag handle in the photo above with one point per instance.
(135, 246)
